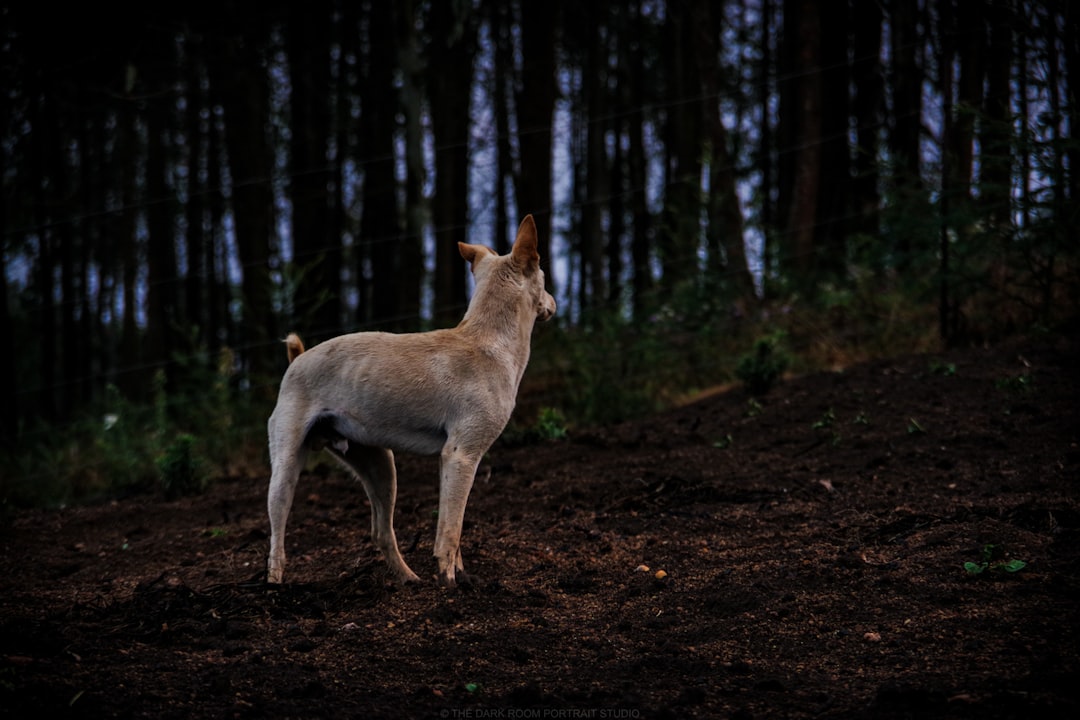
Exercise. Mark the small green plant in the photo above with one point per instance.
(826, 421)
(940, 367)
(914, 428)
(861, 419)
(753, 408)
(551, 425)
(1016, 384)
(723, 443)
(824, 427)
(180, 470)
(991, 561)
(760, 370)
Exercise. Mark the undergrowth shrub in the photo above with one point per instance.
(760, 370)
(180, 469)
(196, 427)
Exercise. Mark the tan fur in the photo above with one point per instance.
(293, 346)
(451, 392)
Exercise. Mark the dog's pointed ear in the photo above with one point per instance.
(524, 253)
(472, 253)
(469, 252)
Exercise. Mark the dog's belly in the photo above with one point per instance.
(399, 434)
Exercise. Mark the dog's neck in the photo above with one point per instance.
(500, 319)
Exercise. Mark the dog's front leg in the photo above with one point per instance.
(457, 470)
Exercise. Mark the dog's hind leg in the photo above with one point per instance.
(457, 471)
(286, 461)
(375, 469)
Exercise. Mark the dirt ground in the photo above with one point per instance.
(812, 548)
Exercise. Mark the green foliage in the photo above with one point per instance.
(991, 561)
(610, 372)
(180, 470)
(194, 427)
(760, 370)
(826, 420)
(825, 427)
(551, 425)
(939, 367)
(1015, 384)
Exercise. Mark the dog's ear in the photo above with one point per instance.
(524, 253)
(472, 253)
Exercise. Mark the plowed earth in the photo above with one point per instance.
(812, 547)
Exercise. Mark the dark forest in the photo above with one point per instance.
(184, 185)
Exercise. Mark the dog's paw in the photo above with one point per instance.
(410, 579)
(458, 580)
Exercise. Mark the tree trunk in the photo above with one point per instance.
(831, 223)
(379, 231)
(867, 108)
(9, 399)
(995, 138)
(680, 234)
(316, 253)
(42, 119)
(162, 318)
(726, 248)
(803, 213)
(198, 276)
(243, 93)
(593, 281)
(452, 31)
(907, 77)
(502, 32)
(535, 108)
(411, 274)
(968, 29)
(632, 57)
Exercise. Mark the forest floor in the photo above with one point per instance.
(812, 548)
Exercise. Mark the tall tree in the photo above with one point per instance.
(804, 31)
(679, 238)
(831, 223)
(379, 229)
(316, 250)
(596, 191)
(451, 30)
(634, 79)
(726, 248)
(867, 107)
(410, 274)
(197, 307)
(995, 134)
(501, 20)
(535, 105)
(906, 79)
(162, 301)
(9, 400)
(239, 72)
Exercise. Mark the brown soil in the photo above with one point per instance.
(814, 551)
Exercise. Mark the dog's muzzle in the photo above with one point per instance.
(547, 309)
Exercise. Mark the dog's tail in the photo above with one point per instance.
(293, 346)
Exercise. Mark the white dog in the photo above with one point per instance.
(451, 391)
